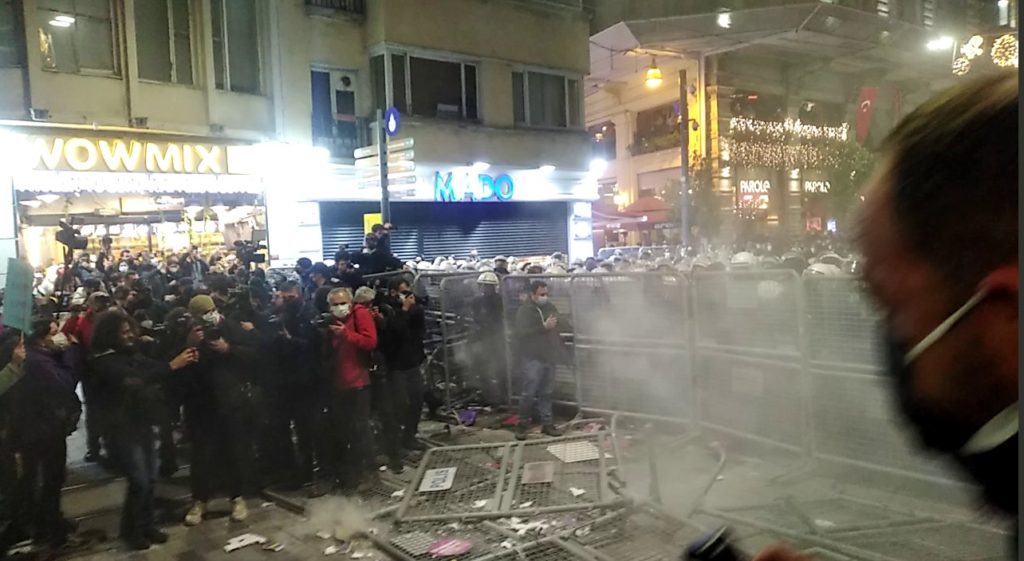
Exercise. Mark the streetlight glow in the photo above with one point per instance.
(943, 43)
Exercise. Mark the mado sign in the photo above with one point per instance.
(469, 186)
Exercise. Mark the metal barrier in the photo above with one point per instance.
(751, 379)
(761, 357)
(632, 343)
(480, 481)
(474, 353)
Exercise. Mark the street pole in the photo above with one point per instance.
(382, 155)
(684, 167)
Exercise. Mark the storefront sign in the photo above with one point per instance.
(468, 186)
(90, 154)
(817, 186)
(755, 186)
(108, 182)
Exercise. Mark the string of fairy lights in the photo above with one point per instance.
(1002, 51)
(787, 144)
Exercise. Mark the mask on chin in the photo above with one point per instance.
(935, 429)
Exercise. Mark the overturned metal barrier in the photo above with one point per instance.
(511, 479)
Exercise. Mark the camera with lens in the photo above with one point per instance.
(178, 324)
(323, 321)
(248, 252)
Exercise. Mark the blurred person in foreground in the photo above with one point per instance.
(136, 398)
(938, 230)
(540, 347)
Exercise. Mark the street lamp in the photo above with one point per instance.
(653, 78)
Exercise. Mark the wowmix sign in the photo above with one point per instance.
(136, 156)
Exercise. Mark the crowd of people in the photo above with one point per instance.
(305, 383)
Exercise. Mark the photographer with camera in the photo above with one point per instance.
(134, 385)
(218, 409)
(353, 339)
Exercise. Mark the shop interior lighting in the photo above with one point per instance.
(1004, 51)
(725, 20)
(973, 47)
(48, 198)
(944, 43)
(115, 230)
(32, 203)
(192, 210)
(480, 166)
(653, 77)
(65, 18)
(546, 168)
(598, 166)
(219, 209)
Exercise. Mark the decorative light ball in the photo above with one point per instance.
(961, 66)
(1004, 51)
(973, 47)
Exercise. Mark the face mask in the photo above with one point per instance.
(936, 430)
(123, 267)
(541, 300)
(401, 298)
(173, 268)
(212, 317)
(341, 311)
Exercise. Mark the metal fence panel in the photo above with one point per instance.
(515, 291)
(842, 325)
(474, 341)
(751, 379)
(475, 488)
(561, 474)
(632, 343)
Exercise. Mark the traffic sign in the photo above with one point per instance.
(394, 158)
(401, 144)
(392, 121)
(392, 180)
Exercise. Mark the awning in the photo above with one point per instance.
(848, 40)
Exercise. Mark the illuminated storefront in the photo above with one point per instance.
(145, 191)
(450, 210)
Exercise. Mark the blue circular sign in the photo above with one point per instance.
(391, 121)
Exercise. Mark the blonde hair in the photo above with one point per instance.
(365, 295)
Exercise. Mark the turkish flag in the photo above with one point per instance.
(865, 109)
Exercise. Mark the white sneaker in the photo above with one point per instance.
(239, 510)
(195, 514)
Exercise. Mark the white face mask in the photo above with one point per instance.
(61, 341)
(123, 267)
(541, 300)
(212, 317)
(341, 311)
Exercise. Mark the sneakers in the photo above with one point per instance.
(239, 510)
(195, 514)
(551, 430)
(521, 432)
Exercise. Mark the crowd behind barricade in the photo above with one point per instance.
(262, 377)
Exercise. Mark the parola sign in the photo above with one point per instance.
(468, 186)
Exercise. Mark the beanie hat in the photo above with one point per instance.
(199, 305)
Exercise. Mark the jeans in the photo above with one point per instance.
(350, 413)
(137, 456)
(95, 426)
(538, 378)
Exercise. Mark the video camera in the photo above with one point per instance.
(248, 252)
(323, 321)
(70, 236)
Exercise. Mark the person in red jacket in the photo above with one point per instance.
(353, 338)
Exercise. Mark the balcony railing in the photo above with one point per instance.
(357, 7)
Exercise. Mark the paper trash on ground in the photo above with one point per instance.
(576, 492)
(245, 540)
(571, 452)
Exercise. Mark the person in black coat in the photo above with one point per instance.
(133, 383)
(44, 410)
(405, 355)
(218, 409)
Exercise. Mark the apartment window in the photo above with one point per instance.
(11, 38)
(545, 100)
(163, 31)
(657, 129)
(335, 126)
(426, 87)
(76, 35)
(236, 53)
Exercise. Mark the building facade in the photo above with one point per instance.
(782, 97)
(167, 123)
